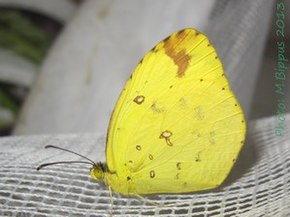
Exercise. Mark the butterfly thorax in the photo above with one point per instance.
(100, 172)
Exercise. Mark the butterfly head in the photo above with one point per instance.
(98, 171)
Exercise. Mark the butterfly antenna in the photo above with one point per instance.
(62, 162)
(66, 162)
(63, 149)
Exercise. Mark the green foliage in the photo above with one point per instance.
(21, 36)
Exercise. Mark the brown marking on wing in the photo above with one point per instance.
(139, 99)
(179, 57)
(152, 174)
(156, 108)
(166, 135)
(178, 165)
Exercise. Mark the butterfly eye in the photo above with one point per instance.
(97, 173)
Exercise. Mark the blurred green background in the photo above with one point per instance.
(27, 35)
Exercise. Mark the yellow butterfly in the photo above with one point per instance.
(177, 127)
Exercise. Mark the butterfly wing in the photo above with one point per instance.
(176, 127)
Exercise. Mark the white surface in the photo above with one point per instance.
(258, 185)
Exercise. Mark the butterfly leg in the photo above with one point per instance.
(150, 201)
(111, 199)
(158, 204)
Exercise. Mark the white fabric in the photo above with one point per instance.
(258, 185)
